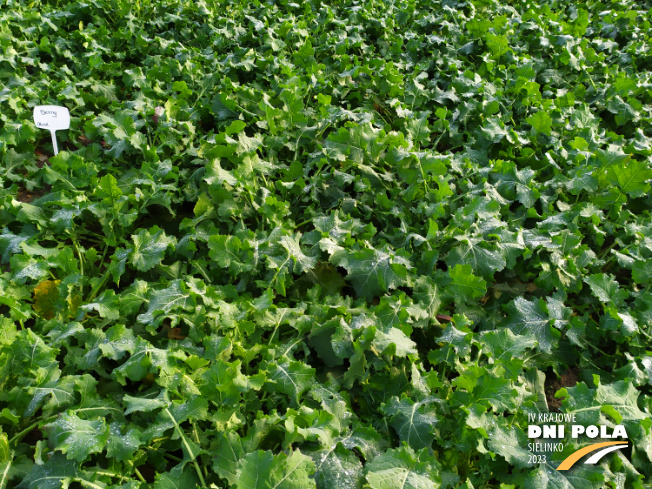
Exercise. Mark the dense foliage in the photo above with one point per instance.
(323, 244)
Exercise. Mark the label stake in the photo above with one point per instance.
(53, 118)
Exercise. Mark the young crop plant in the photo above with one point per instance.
(384, 244)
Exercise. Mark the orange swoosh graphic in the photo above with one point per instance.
(574, 457)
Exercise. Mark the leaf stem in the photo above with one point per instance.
(245, 110)
(303, 223)
(443, 372)
(434, 146)
(16, 438)
(139, 475)
(423, 175)
(106, 248)
(280, 268)
(590, 78)
(319, 134)
(607, 250)
(173, 457)
(4, 474)
(87, 483)
(79, 255)
(110, 474)
(194, 430)
(201, 270)
(185, 442)
(292, 346)
(97, 288)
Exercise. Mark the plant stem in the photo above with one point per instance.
(16, 438)
(303, 223)
(278, 323)
(185, 443)
(194, 430)
(110, 474)
(279, 269)
(607, 250)
(106, 248)
(201, 270)
(590, 78)
(97, 288)
(79, 255)
(4, 474)
(87, 483)
(443, 372)
(139, 475)
(172, 457)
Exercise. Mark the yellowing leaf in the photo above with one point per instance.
(46, 295)
(73, 303)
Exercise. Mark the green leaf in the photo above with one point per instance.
(546, 476)
(483, 261)
(53, 474)
(374, 234)
(229, 452)
(534, 319)
(229, 252)
(302, 262)
(631, 176)
(177, 478)
(588, 403)
(426, 291)
(393, 341)
(402, 468)
(487, 389)
(372, 271)
(337, 468)
(123, 441)
(507, 443)
(355, 142)
(294, 473)
(290, 377)
(418, 129)
(414, 422)
(77, 438)
(161, 302)
(139, 362)
(145, 404)
(262, 470)
(503, 344)
(497, 44)
(26, 268)
(255, 470)
(107, 306)
(541, 122)
(465, 285)
(8, 331)
(10, 244)
(460, 339)
(149, 248)
(606, 289)
(108, 190)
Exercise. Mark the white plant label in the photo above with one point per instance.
(53, 118)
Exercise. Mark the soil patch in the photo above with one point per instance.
(553, 384)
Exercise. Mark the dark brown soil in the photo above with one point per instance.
(41, 159)
(553, 384)
(28, 196)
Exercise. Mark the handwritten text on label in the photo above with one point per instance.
(53, 118)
